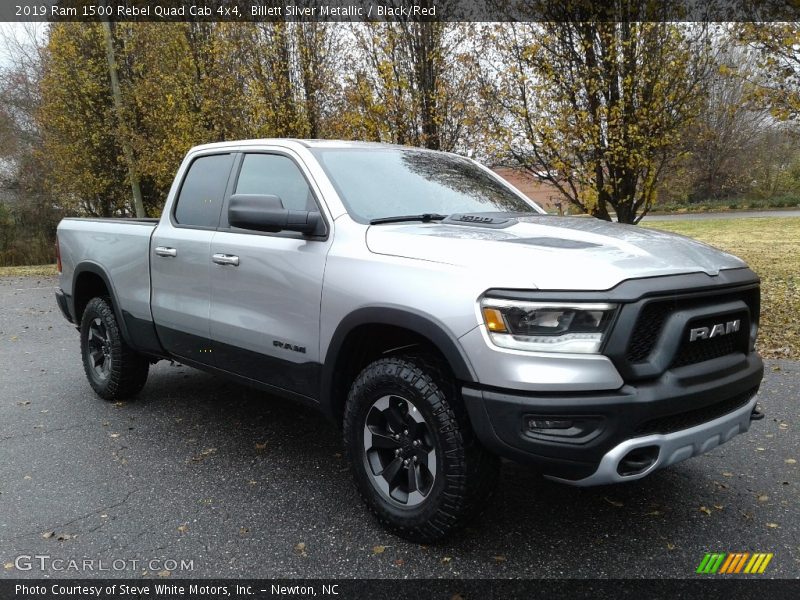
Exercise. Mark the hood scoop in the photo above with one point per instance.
(482, 220)
(554, 243)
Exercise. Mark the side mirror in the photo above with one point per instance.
(261, 212)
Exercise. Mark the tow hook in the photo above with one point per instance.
(756, 415)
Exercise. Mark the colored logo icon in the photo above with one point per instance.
(722, 563)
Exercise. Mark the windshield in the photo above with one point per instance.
(375, 183)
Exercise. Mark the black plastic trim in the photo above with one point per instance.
(498, 416)
(422, 325)
(96, 269)
(63, 300)
(269, 372)
(298, 378)
(632, 290)
(143, 336)
(253, 383)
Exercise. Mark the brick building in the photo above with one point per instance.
(544, 194)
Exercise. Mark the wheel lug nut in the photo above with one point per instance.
(397, 452)
(405, 462)
(405, 432)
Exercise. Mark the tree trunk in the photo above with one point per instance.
(127, 149)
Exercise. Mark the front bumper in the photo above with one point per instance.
(684, 412)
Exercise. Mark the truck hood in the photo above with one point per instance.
(549, 252)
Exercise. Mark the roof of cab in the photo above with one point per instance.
(294, 142)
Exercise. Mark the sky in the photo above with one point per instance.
(19, 31)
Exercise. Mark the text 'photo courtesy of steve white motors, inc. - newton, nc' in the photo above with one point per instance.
(172, 590)
(221, 11)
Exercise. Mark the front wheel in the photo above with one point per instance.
(416, 462)
(113, 369)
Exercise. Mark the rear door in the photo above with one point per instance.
(265, 309)
(180, 259)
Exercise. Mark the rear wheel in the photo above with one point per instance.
(416, 462)
(114, 370)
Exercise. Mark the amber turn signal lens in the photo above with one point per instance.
(494, 320)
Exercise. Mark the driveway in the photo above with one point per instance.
(235, 483)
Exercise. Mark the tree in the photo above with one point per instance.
(78, 124)
(777, 86)
(730, 124)
(596, 108)
(414, 84)
(123, 127)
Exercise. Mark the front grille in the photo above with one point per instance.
(650, 324)
(648, 328)
(690, 418)
(690, 353)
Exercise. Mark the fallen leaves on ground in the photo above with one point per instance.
(705, 510)
(300, 548)
(203, 455)
(261, 445)
(790, 461)
(164, 573)
(378, 549)
(184, 528)
(499, 558)
(773, 525)
(616, 503)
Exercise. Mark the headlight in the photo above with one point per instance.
(547, 326)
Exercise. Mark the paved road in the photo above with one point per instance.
(738, 214)
(205, 471)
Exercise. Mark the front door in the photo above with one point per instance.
(266, 288)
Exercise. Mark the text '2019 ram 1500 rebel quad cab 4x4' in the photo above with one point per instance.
(430, 309)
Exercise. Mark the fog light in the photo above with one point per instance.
(537, 424)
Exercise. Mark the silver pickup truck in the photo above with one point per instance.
(431, 310)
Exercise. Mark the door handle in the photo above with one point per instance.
(164, 251)
(225, 259)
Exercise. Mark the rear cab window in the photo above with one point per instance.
(202, 192)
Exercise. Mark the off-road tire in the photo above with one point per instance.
(125, 372)
(466, 472)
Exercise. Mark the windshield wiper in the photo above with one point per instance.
(424, 217)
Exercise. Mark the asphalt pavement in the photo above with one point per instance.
(235, 483)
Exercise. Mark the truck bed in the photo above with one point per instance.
(120, 247)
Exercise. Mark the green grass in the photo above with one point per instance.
(30, 271)
(771, 246)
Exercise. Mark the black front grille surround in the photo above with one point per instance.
(655, 313)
